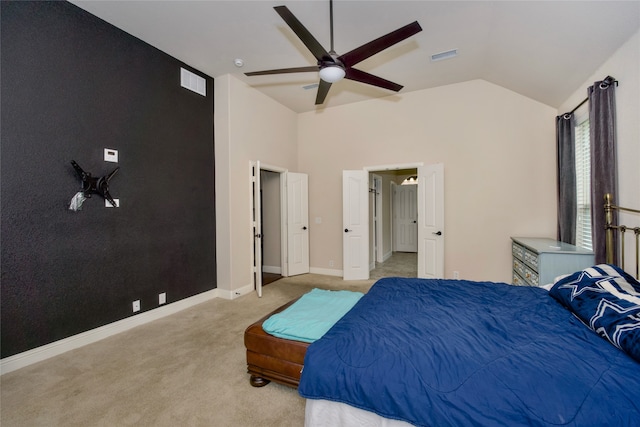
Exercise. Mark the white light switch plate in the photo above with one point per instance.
(110, 155)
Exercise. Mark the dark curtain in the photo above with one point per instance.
(602, 118)
(567, 204)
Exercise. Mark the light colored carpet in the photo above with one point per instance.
(186, 369)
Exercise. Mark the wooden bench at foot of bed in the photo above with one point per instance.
(270, 358)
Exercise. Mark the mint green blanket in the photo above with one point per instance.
(312, 315)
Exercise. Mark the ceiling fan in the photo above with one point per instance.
(333, 68)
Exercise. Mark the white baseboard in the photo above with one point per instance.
(326, 271)
(272, 269)
(387, 256)
(17, 361)
(235, 293)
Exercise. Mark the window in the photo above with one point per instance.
(583, 183)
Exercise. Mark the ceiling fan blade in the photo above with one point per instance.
(323, 90)
(370, 79)
(284, 71)
(369, 49)
(303, 34)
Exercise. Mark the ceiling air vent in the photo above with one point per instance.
(444, 55)
(194, 82)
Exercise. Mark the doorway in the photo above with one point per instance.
(357, 230)
(271, 212)
(394, 231)
(282, 199)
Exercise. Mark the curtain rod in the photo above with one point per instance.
(607, 81)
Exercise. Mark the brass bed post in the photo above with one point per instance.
(637, 233)
(608, 219)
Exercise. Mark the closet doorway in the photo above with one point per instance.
(282, 199)
(271, 221)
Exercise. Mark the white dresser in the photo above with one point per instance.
(537, 261)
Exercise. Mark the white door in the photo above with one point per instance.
(406, 218)
(257, 227)
(297, 223)
(431, 221)
(355, 225)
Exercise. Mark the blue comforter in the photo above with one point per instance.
(460, 353)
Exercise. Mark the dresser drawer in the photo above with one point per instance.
(517, 280)
(531, 259)
(531, 276)
(517, 251)
(518, 266)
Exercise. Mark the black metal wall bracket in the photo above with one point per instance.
(91, 184)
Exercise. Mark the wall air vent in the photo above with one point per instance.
(444, 55)
(194, 82)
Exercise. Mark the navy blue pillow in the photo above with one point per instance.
(607, 300)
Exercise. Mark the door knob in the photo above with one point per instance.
(258, 235)
(304, 228)
(346, 230)
(438, 233)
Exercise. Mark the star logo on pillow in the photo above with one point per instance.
(584, 282)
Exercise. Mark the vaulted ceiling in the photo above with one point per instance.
(541, 49)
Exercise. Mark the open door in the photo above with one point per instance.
(257, 227)
(294, 205)
(355, 224)
(297, 223)
(431, 221)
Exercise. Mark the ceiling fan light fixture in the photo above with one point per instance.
(332, 73)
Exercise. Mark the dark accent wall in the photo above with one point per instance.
(71, 86)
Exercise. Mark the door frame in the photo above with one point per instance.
(256, 265)
(378, 217)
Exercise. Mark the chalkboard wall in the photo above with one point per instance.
(73, 85)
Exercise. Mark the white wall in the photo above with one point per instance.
(624, 65)
(248, 126)
(499, 154)
(498, 149)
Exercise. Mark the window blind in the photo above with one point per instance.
(583, 185)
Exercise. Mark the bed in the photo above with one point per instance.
(457, 353)
(450, 352)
